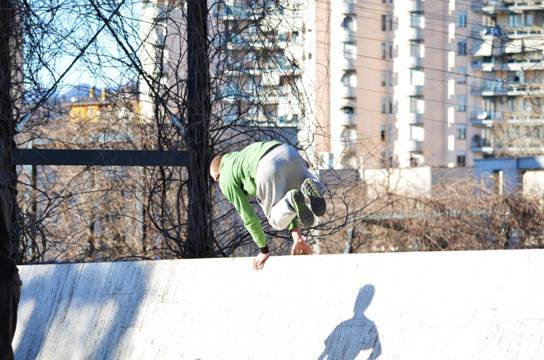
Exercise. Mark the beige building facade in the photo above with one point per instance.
(430, 83)
(372, 84)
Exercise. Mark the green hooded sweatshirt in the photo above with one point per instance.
(237, 183)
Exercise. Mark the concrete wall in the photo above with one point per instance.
(449, 305)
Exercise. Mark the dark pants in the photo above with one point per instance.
(10, 293)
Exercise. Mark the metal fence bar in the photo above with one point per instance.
(100, 157)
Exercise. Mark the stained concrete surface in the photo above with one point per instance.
(447, 305)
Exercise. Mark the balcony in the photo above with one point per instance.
(482, 145)
(524, 5)
(348, 7)
(529, 64)
(415, 5)
(415, 119)
(481, 118)
(415, 33)
(348, 64)
(415, 146)
(347, 91)
(415, 90)
(415, 62)
(232, 12)
(525, 32)
(347, 120)
(531, 88)
(347, 35)
(524, 118)
(489, 6)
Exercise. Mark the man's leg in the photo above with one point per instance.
(285, 210)
(314, 190)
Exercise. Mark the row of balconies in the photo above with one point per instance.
(486, 146)
(279, 66)
(512, 65)
(508, 89)
(261, 118)
(257, 40)
(501, 6)
(507, 31)
(489, 119)
(348, 135)
(272, 96)
(236, 10)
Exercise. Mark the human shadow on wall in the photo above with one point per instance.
(354, 335)
(72, 288)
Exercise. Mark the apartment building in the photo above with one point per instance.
(398, 93)
(509, 78)
(434, 82)
(377, 83)
(262, 64)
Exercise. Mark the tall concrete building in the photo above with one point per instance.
(375, 83)
(430, 83)
(508, 63)
(261, 62)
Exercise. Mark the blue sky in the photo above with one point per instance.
(105, 63)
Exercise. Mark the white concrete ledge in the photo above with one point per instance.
(448, 305)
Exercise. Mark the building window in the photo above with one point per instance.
(387, 105)
(461, 104)
(461, 75)
(387, 50)
(462, 19)
(383, 134)
(461, 132)
(387, 20)
(461, 160)
(462, 47)
(387, 78)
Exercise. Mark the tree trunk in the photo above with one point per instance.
(199, 233)
(8, 176)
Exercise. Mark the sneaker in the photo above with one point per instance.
(299, 205)
(317, 202)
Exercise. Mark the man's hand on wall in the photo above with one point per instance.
(258, 262)
(300, 246)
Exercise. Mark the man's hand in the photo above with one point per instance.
(300, 246)
(258, 262)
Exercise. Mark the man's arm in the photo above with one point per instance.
(241, 203)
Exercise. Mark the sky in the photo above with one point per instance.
(104, 63)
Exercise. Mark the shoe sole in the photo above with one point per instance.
(304, 214)
(317, 202)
